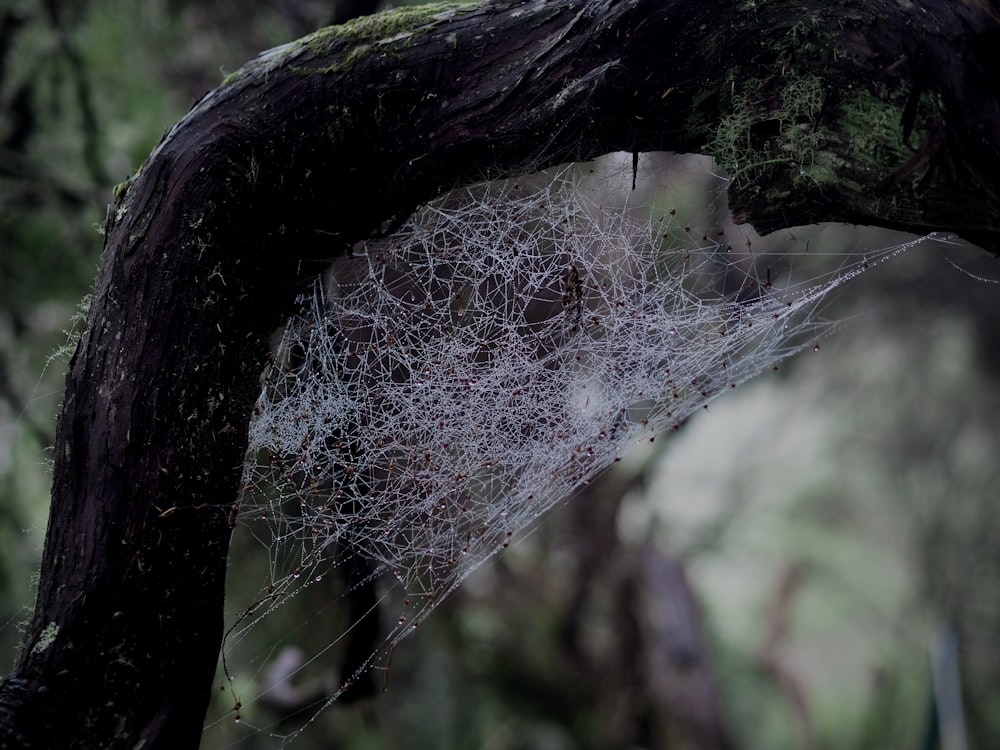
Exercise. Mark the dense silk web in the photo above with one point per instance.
(509, 342)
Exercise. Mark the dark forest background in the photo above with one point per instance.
(785, 572)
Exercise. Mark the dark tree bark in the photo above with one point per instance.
(858, 111)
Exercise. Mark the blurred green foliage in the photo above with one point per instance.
(829, 521)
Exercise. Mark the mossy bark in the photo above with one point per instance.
(860, 111)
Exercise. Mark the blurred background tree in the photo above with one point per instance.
(776, 577)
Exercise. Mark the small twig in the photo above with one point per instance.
(769, 656)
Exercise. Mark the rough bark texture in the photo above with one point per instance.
(857, 110)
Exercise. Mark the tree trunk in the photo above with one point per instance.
(859, 111)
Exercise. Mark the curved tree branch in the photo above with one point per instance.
(855, 111)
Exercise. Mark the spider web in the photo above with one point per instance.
(439, 392)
